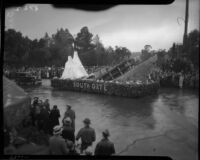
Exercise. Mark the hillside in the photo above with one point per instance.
(139, 72)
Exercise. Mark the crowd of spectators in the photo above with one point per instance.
(44, 72)
(174, 72)
(168, 74)
(60, 139)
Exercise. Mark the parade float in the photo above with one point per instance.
(75, 78)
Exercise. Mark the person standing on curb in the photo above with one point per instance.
(105, 146)
(57, 144)
(68, 132)
(54, 118)
(86, 134)
(71, 114)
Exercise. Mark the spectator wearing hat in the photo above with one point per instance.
(105, 146)
(87, 135)
(57, 145)
(68, 131)
(54, 118)
(71, 114)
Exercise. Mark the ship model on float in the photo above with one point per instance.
(114, 81)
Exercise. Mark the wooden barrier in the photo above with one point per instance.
(106, 87)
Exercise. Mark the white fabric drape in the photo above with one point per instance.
(79, 64)
(74, 68)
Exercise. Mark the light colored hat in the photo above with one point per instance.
(88, 151)
(67, 120)
(57, 130)
(106, 133)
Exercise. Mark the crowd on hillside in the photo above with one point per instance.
(61, 137)
(172, 74)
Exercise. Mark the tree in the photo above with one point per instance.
(54, 50)
(146, 52)
(191, 49)
(100, 54)
(161, 54)
(147, 47)
(62, 41)
(121, 53)
(16, 47)
(47, 40)
(85, 47)
(110, 55)
(83, 41)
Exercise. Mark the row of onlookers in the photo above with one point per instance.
(44, 72)
(61, 138)
(181, 79)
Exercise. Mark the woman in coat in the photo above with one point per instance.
(54, 118)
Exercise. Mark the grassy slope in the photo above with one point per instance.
(139, 72)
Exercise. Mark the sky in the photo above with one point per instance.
(131, 26)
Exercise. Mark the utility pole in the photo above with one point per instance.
(186, 24)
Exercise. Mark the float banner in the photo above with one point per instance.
(98, 87)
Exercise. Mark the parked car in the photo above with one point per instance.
(26, 78)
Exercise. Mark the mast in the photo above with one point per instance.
(186, 23)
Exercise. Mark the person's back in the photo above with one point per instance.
(57, 146)
(70, 113)
(44, 113)
(54, 116)
(68, 133)
(87, 135)
(105, 147)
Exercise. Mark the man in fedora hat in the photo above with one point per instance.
(57, 145)
(71, 114)
(105, 146)
(87, 135)
(68, 131)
